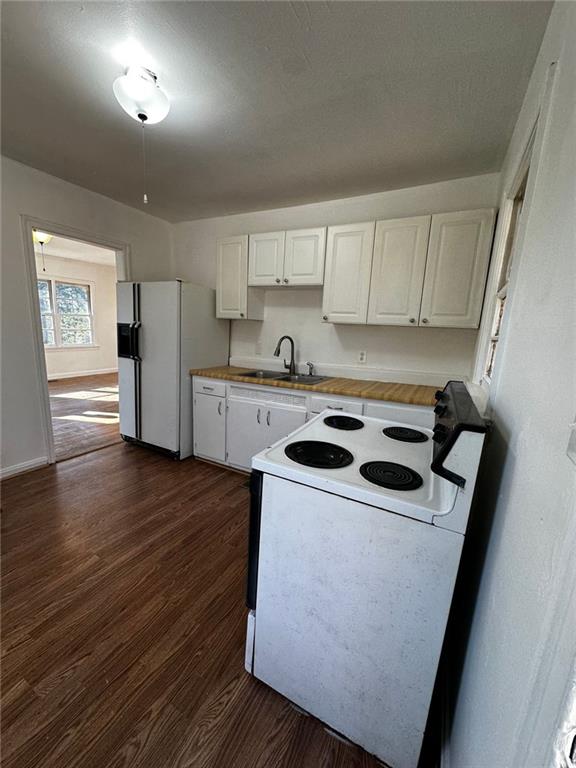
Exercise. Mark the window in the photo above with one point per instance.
(66, 312)
(504, 279)
(46, 312)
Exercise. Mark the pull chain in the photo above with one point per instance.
(43, 259)
(143, 117)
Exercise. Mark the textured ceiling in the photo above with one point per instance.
(65, 248)
(273, 104)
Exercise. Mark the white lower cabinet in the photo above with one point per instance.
(281, 420)
(234, 421)
(253, 426)
(244, 431)
(210, 427)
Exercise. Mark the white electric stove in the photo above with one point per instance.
(356, 530)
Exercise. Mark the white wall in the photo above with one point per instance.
(522, 640)
(102, 357)
(33, 193)
(411, 354)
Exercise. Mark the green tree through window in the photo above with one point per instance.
(66, 311)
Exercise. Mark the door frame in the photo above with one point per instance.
(123, 271)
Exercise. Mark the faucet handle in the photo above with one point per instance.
(286, 365)
(310, 369)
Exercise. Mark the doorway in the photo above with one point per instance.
(74, 282)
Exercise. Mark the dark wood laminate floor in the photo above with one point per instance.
(123, 623)
(84, 413)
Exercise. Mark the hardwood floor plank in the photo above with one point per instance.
(124, 623)
(84, 413)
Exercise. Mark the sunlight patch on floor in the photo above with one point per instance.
(92, 417)
(104, 396)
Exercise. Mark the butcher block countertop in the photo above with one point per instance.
(412, 394)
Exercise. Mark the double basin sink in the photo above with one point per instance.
(299, 378)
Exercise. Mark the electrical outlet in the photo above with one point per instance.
(258, 348)
(362, 356)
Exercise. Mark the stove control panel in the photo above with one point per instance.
(455, 414)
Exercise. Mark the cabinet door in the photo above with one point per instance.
(232, 277)
(304, 257)
(456, 268)
(246, 431)
(281, 420)
(398, 269)
(266, 258)
(210, 427)
(347, 278)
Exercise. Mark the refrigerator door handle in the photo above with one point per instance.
(135, 341)
(138, 397)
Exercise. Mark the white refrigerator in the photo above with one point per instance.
(164, 329)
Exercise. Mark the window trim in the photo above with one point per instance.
(53, 280)
(496, 280)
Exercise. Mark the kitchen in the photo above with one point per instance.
(137, 645)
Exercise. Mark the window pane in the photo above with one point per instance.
(47, 337)
(75, 323)
(72, 299)
(44, 296)
(47, 322)
(76, 337)
(491, 357)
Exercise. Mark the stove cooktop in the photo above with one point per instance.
(413, 489)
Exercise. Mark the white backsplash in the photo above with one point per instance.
(411, 355)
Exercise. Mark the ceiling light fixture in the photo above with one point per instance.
(140, 96)
(41, 239)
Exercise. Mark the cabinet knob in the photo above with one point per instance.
(412, 319)
(277, 279)
(241, 314)
(285, 279)
(424, 320)
(324, 317)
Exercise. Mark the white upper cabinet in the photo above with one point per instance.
(398, 267)
(266, 258)
(287, 258)
(234, 299)
(304, 257)
(232, 268)
(456, 268)
(347, 275)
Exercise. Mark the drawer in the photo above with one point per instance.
(414, 415)
(319, 404)
(210, 387)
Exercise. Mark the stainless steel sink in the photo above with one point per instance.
(264, 375)
(303, 378)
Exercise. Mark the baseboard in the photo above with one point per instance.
(433, 378)
(25, 466)
(77, 374)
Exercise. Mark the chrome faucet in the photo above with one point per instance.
(292, 365)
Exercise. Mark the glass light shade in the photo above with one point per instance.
(138, 93)
(41, 238)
